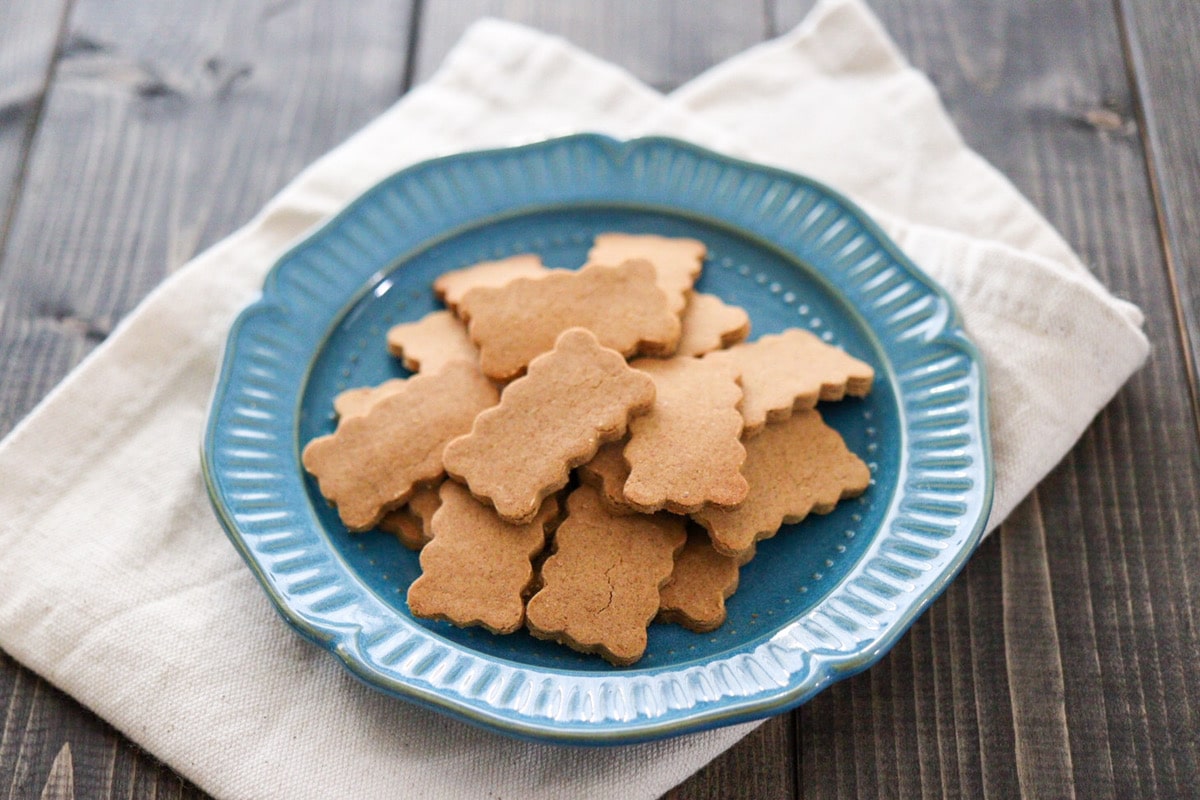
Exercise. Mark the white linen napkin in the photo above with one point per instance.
(120, 587)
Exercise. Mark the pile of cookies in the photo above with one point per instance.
(582, 451)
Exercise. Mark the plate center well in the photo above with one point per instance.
(790, 573)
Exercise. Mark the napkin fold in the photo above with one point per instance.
(121, 588)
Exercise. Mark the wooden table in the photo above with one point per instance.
(1064, 661)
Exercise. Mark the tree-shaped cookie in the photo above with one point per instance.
(795, 467)
(476, 568)
(405, 526)
(607, 472)
(686, 453)
(791, 371)
(573, 399)
(677, 261)
(711, 324)
(431, 342)
(370, 464)
(451, 286)
(702, 580)
(623, 306)
(358, 401)
(600, 587)
(411, 523)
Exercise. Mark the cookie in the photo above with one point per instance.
(677, 261)
(476, 568)
(686, 453)
(794, 467)
(424, 503)
(431, 342)
(573, 399)
(791, 371)
(356, 402)
(451, 286)
(370, 464)
(411, 522)
(406, 526)
(709, 324)
(701, 581)
(622, 306)
(600, 586)
(607, 471)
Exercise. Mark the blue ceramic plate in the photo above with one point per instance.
(822, 600)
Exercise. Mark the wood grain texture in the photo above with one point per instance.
(1095, 688)
(759, 767)
(60, 784)
(39, 723)
(662, 43)
(165, 127)
(163, 132)
(29, 40)
(933, 718)
(1162, 40)
(1064, 661)
(1033, 657)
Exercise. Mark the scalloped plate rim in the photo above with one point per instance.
(827, 668)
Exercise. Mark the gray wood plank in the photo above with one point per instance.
(662, 43)
(757, 768)
(29, 37)
(1117, 516)
(1101, 566)
(165, 128)
(933, 718)
(164, 131)
(1163, 42)
(1033, 658)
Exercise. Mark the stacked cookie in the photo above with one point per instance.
(582, 451)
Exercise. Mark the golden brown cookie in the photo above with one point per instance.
(476, 568)
(356, 402)
(370, 464)
(709, 324)
(600, 587)
(794, 467)
(411, 522)
(677, 261)
(621, 305)
(686, 453)
(573, 399)
(405, 526)
(791, 371)
(701, 582)
(451, 286)
(431, 342)
(607, 472)
(424, 503)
